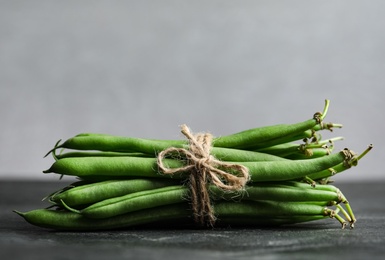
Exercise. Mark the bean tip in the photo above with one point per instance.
(69, 208)
(19, 213)
(53, 149)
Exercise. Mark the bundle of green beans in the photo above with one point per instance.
(121, 186)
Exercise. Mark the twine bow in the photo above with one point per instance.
(204, 169)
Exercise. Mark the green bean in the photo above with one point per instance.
(111, 166)
(78, 183)
(101, 178)
(301, 185)
(288, 170)
(176, 194)
(65, 220)
(333, 189)
(262, 211)
(286, 149)
(256, 146)
(98, 154)
(279, 193)
(263, 222)
(90, 134)
(326, 173)
(310, 134)
(272, 208)
(249, 139)
(124, 144)
(146, 167)
(95, 192)
(133, 202)
(70, 221)
(267, 208)
(241, 140)
(282, 149)
(224, 154)
(229, 154)
(310, 153)
(257, 136)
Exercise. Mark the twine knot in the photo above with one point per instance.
(204, 169)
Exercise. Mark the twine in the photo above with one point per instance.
(204, 169)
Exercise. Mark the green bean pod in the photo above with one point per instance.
(242, 140)
(278, 191)
(224, 154)
(326, 173)
(112, 167)
(124, 144)
(134, 201)
(95, 192)
(310, 153)
(289, 170)
(263, 136)
(287, 149)
(264, 222)
(177, 194)
(98, 154)
(70, 221)
(147, 167)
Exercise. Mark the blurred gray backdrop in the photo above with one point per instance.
(143, 68)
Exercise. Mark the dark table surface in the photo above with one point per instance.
(314, 240)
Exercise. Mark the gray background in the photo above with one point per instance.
(142, 68)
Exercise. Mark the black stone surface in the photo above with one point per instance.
(315, 240)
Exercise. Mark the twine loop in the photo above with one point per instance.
(204, 169)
